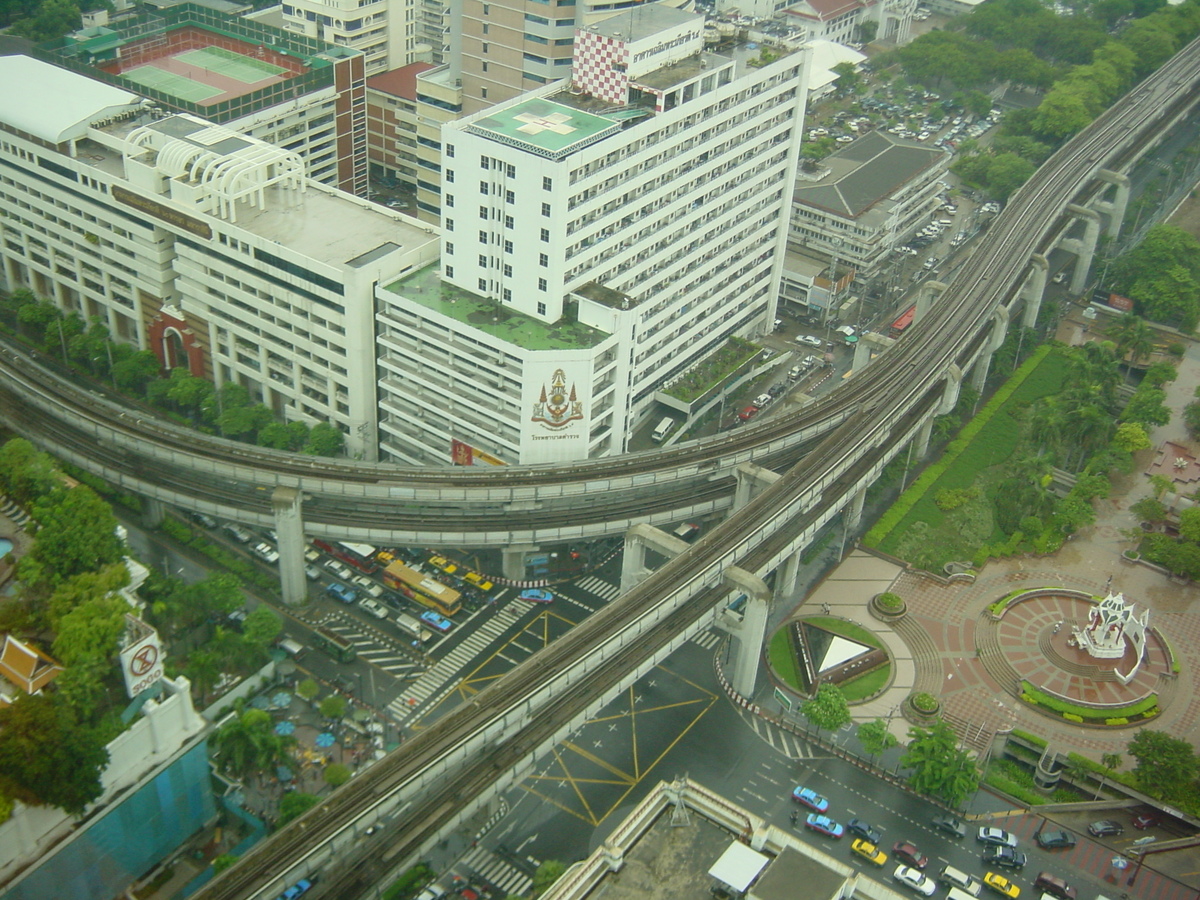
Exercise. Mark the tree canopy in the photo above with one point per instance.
(939, 767)
(828, 709)
(77, 533)
(1165, 766)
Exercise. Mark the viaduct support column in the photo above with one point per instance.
(868, 344)
(754, 626)
(1034, 289)
(1086, 249)
(152, 512)
(953, 387)
(1116, 207)
(512, 561)
(786, 575)
(637, 540)
(921, 441)
(287, 505)
(750, 476)
(925, 296)
(854, 512)
(979, 371)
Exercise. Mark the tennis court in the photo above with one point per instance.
(232, 65)
(171, 84)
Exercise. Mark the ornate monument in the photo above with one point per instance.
(1111, 623)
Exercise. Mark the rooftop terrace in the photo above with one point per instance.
(545, 127)
(492, 318)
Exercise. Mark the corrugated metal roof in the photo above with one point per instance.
(55, 104)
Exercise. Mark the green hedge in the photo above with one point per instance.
(1145, 708)
(1030, 738)
(958, 448)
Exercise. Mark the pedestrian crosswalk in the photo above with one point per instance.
(706, 640)
(487, 866)
(445, 675)
(790, 745)
(374, 646)
(599, 587)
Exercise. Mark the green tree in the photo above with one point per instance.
(1189, 524)
(53, 19)
(76, 533)
(133, 370)
(223, 862)
(247, 744)
(1191, 418)
(262, 626)
(295, 804)
(828, 709)
(1131, 437)
(1111, 762)
(333, 706)
(188, 392)
(1149, 509)
(1147, 406)
(47, 756)
(1006, 173)
(1166, 765)
(336, 774)
(939, 767)
(1062, 113)
(1134, 337)
(203, 670)
(91, 632)
(324, 440)
(547, 873)
(876, 737)
(848, 78)
(25, 472)
(242, 422)
(308, 689)
(1160, 373)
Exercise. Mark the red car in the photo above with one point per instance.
(748, 413)
(910, 854)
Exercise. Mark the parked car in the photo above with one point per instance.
(863, 830)
(762, 400)
(908, 852)
(1145, 820)
(203, 519)
(341, 570)
(436, 620)
(238, 533)
(748, 413)
(1001, 885)
(297, 890)
(950, 825)
(1054, 886)
(826, 826)
(536, 595)
(914, 879)
(996, 836)
(265, 552)
(868, 851)
(374, 607)
(341, 592)
(810, 798)
(1005, 857)
(1106, 828)
(1054, 840)
(809, 341)
(312, 573)
(368, 586)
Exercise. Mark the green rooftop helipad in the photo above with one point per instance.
(544, 127)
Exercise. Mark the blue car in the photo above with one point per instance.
(299, 889)
(341, 592)
(810, 798)
(824, 825)
(436, 620)
(536, 595)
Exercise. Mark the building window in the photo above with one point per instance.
(546, 235)
(507, 270)
(483, 284)
(541, 284)
(547, 183)
(483, 260)
(508, 221)
(449, 224)
(485, 46)
(510, 197)
(541, 308)
(485, 27)
(449, 199)
(483, 93)
(450, 151)
(483, 212)
(449, 249)
(546, 209)
(483, 187)
(483, 162)
(508, 246)
(543, 260)
(483, 237)
(487, 8)
(510, 170)
(449, 176)
(449, 271)
(507, 295)
(485, 67)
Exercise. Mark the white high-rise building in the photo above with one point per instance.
(601, 237)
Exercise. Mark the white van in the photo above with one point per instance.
(412, 626)
(957, 879)
(290, 647)
(662, 429)
(959, 894)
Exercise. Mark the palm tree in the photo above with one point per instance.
(1134, 337)
(203, 669)
(248, 744)
(1111, 762)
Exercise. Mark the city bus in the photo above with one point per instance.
(334, 644)
(901, 324)
(422, 588)
(360, 556)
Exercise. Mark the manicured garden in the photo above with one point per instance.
(786, 668)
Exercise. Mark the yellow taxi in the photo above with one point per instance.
(1001, 885)
(383, 557)
(479, 581)
(444, 564)
(868, 851)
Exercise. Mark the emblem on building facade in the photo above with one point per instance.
(557, 405)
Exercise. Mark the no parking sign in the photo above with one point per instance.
(142, 656)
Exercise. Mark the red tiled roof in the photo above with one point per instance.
(400, 82)
(825, 9)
